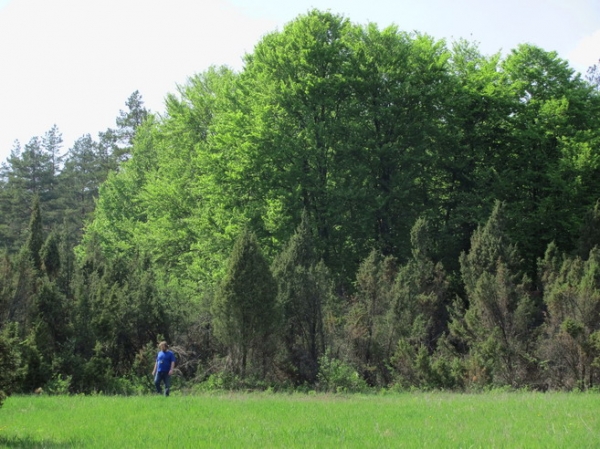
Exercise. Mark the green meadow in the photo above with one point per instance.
(511, 420)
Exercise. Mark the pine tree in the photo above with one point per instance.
(127, 124)
(51, 144)
(27, 174)
(86, 168)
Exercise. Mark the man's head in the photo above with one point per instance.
(163, 346)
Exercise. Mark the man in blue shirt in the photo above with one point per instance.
(163, 368)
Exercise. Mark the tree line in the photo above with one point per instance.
(355, 207)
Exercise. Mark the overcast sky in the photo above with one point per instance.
(74, 63)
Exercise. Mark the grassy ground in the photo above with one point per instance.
(492, 420)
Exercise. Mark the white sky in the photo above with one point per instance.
(74, 63)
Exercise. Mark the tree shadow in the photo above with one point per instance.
(29, 442)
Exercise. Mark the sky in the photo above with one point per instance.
(74, 63)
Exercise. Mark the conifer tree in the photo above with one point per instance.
(499, 323)
(50, 256)
(35, 238)
(6, 285)
(9, 362)
(370, 325)
(418, 299)
(570, 345)
(590, 233)
(302, 295)
(27, 174)
(86, 168)
(51, 144)
(127, 311)
(127, 123)
(22, 287)
(245, 310)
(50, 321)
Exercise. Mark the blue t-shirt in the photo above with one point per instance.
(164, 360)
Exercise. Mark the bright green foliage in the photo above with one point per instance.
(472, 137)
(336, 376)
(570, 347)
(287, 134)
(245, 310)
(365, 130)
(553, 111)
(400, 82)
(195, 211)
(164, 201)
(118, 211)
(333, 127)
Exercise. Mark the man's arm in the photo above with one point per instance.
(172, 364)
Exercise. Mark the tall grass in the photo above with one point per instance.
(525, 420)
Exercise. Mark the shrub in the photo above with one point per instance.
(335, 376)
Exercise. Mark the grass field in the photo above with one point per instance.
(491, 420)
